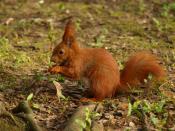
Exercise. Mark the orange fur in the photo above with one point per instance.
(99, 68)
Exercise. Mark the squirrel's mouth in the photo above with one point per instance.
(63, 63)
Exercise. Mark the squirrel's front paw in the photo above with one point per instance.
(54, 70)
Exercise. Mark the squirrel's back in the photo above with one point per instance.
(102, 57)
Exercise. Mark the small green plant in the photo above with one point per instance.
(146, 106)
(166, 9)
(100, 38)
(61, 6)
(40, 77)
(29, 100)
(58, 78)
(20, 58)
(134, 108)
(23, 25)
(127, 129)
(157, 24)
(152, 110)
(86, 124)
(10, 56)
(29, 97)
(51, 34)
(4, 43)
(141, 5)
(121, 65)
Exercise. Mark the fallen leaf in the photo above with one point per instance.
(29, 97)
(36, 106)
(58, 89)
(9, 20)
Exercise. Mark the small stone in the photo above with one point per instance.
(73, 105)
(131, 124)
(113, 121)
(41, 2)
(67, 11)
(104, 121)
(109, 116)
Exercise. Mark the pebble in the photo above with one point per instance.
(113, 121)
(131, 124)
(104, 121)
(108, 116)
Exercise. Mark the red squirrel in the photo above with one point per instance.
(99, 67)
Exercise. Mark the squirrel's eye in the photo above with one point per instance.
(61, 52)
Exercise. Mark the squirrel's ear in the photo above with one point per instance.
(69, 41)
(69, 32)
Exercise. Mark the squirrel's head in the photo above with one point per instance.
(65, 49)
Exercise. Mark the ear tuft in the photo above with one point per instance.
(69, 31)
(69, 41)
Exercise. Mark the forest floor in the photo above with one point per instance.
(29, 29)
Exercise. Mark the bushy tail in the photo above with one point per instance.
(139, 66)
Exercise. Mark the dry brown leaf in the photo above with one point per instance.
(9, 20)
(58, 89)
